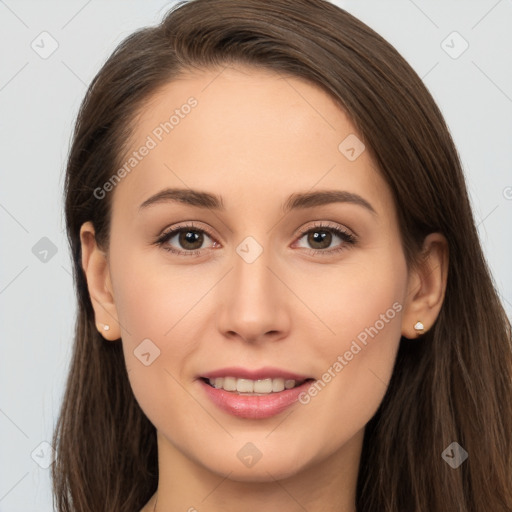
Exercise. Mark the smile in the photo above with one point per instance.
(243, 400)
(253, 387)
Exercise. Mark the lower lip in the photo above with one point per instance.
(253, 406)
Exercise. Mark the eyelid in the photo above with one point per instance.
(185, 225)
(175, 229)
(347, 235)
(326, 224)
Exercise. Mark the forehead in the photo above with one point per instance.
(245, 133)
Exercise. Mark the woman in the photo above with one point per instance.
(282, 298)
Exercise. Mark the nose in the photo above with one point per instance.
(253, 301)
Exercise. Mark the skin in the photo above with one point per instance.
(254, 138)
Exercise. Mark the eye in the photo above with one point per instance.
(322, 235)
(188, 237)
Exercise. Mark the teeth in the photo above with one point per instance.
(245, 386)
(229, 383)
(263, 386)
(289, 384)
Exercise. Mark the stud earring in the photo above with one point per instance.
(419, 327)
(106, 327)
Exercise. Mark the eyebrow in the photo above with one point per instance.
(297, 201)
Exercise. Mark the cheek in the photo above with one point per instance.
(359, 354)
(147, 307)
(358, 300)
(156, 347)
(152, 300)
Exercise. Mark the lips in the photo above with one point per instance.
(253, 406)
(260, 374)
(254, 394)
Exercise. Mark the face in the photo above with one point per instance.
(260, 282)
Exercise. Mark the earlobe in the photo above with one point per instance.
(96, 269)
(426, 287)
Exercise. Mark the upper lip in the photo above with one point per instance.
(257, 374)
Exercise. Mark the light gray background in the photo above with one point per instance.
(39, 99)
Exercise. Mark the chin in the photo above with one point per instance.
(273, 468)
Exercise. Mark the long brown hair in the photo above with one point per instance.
(455, 384)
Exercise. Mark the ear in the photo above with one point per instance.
(426, 286)
(96, 268)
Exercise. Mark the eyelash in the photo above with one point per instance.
(348, 239)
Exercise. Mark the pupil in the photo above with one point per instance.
(190, 237)
(322, 236)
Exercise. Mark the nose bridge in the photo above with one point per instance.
(254, 304)
(253, 281)
(251, 266)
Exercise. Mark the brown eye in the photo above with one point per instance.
(184, 240)
(319, 239)
(190, 240)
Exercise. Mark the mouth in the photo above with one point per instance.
(250, 387)
(254, 399)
